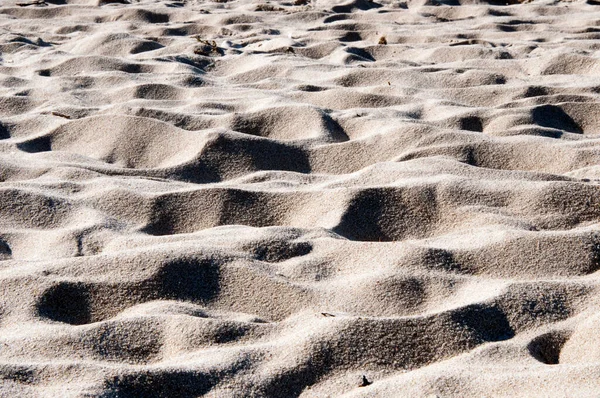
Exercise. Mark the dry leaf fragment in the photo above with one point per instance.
(365, 382)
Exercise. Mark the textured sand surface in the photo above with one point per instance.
(312, 198)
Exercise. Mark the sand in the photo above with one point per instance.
(310, 198)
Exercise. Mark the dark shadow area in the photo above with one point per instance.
(502, 2)
(294, 381)
(361, 221)
(499, 79)
(159, 384)
(537, 131)
(267, 125)
(180, 31)
(40, 144)
(485, 323)
(310, 88)
(199, 63)
(389, 214)
(535, 91)
(166, 215)
(66, 302)
(5, 250)
(231, 334)
(350, 36)
(199, 173)
(334, 18)
(187, 279)
(554, 117)
(362, 5)
(124, 341)
(498, 13)
(471, 123)
(441, 259)
(38, 43)
(360, 53)
(148, 16)
(18, 373)
(506, 28)
(105, 2)
(276, 251)
(163, 221)
(262, 154)
(520, 22)
(336, 132)
(546, 348)
(225, 158)
(145, 46)
(131, 68)
(4, 132)
(595, 249)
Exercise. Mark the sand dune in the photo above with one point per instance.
(312, 198)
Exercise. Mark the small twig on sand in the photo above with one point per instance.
(60, 115)
(208, 48)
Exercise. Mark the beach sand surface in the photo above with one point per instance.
(303, 198)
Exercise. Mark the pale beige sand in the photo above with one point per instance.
(406, 193)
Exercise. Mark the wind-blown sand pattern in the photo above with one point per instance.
(312, 198)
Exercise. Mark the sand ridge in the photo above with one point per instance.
(247, 198)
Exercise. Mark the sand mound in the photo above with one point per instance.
(305, 198)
